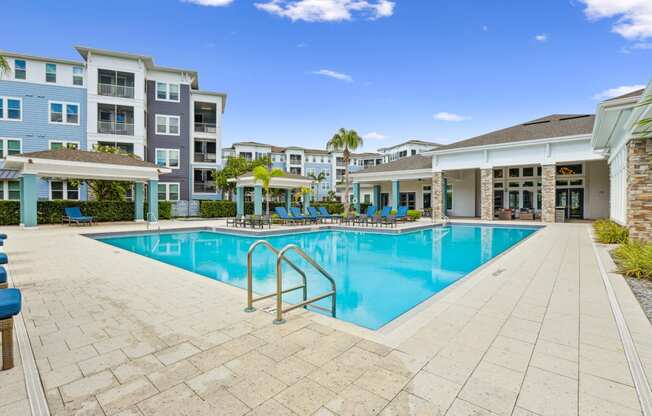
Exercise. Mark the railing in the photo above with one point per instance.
(113, 90)
(206, 127)
(205, 157)
(110, 127)
(295, 161)
(204, 188)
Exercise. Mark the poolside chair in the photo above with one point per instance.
(73, 214)
(286, 218)
(296, 213)
(10, 303)
(366, 218)
(401, 213)
(385, 217)
(327, 215)
(3, 278)
(235, 221)
(315, 214)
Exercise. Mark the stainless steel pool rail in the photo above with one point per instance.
(280, 258)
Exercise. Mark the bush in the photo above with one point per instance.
(414, 215)
(634, 259)
(223, 209)
(609, 232)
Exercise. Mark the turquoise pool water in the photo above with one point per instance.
(378, 276)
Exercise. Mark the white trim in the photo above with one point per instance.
(64, 190)
(576, 137)
(4, 184)
(5, 146)
(167, 157)
(83, 76)
(167, 190)
(45, 72)
(5, 108)
(388, 175)
(167, 125)
(167, 92)
(64, 113)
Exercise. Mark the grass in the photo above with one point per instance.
(609, 232)
(634, 259)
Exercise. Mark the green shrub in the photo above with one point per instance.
(634, 259)
(609, 232)
(9, 212)
(217, 209)
(414, 215)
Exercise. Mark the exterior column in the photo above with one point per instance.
(258, 200)
(548, 191)
(377, 196)
(306, 201)
(487, 194)
(356, 196)
(438, 195)
(396, 194)
(139, 201)
(639, 189)
(152, 201)
(288, 199)
(28, 200)
(239, 201)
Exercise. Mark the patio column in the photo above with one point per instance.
(438, 195)
(306, 201)
(152, 201)
(356, 196)
(396, 194)
(28, 200)
(548, 191)
(239, 201)
(487, 194)
(377, 196)
(258, 200)
(139, 201)
(288, 199)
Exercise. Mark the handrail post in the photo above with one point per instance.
(250, 290)
(279, 291)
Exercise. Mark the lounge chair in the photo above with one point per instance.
(296, 213)
(286, 218)
(236, 221)
(366, 218)
(73, 214)
(385, 217)
(10, 303)
(315, 214)
(401, 213)
(3, 278)
(327, 215)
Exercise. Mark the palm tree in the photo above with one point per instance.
(317, 179)
(4, 65)
(264, 175)
(345, 140)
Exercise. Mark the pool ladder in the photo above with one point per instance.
(280, 258)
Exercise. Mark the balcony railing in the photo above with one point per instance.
(205, 157)
(205, 128)
(204, 188)
(110, 127)
(113, 90)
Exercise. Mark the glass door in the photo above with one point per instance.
(408, 199)
(576, 203)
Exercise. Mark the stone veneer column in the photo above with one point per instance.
(548, 186)
(437, 195)
(487, 194)
(639, 189)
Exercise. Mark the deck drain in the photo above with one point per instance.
(498, 272)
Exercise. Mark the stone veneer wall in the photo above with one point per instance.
(548, 193)
(487, 194)
(639, 189)
(437, 195)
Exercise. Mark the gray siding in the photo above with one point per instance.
(181, 142)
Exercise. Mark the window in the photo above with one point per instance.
(576, 182)
(528, 183)
(168, 191)
(20, 69)
(514, 172)
(64, 190)
(77, 75)
(13, 190)
(527, 200)
(498, 185)
(167, 92)
(10, 147)
(528, 172)
(168, 158)
(63, 144)
(50, 73)
(449, 196)
(64, 113)
(167, 125)
(14, 109)
(569, 169)
(498, 173)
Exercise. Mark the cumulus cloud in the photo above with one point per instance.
(633, 17)
(333, 74)
(210, 3)
(541, 38)
(618, 91)
(327, 10)
(445, 116)
(374, 136)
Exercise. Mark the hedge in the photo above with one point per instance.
(51, 212)
(222, 209)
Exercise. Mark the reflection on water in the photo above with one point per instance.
(378, 277)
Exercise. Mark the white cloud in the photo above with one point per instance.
(327, 10)
(211, 3)
(541, 38)
(615, 92)
(445, 116)
(634, 17)
(374, 136)
(333, 74)
(640, 46)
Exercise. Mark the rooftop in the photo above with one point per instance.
(71, 155)
(415, 162)
(411, 141)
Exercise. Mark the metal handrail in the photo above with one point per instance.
(250, 291)
(279, 284)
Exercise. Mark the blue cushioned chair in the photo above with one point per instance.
(3, 278)
(73, 214)
(3, 236)
(10, 303)
(286, 218)
(3, 258)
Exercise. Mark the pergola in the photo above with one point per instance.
(79, 164)
(288, 182)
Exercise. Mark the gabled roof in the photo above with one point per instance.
(72, 155)
(411, 141)
(39, 58)
(415, 162)
(554, 125)
(635, 93)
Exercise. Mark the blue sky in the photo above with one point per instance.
(297, 70)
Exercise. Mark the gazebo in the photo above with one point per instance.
(79, 164)
(289, 181)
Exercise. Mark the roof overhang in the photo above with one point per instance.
(52, 168)
(384, 176)
(278, 182)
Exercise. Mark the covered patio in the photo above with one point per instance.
(81, 165)
(288, 182)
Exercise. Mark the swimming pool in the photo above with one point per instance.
(378, 276)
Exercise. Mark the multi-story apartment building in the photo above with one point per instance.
(113, 99)
(405, 149)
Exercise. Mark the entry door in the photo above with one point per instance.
(499, 200)
(427, 200)
(572, 201)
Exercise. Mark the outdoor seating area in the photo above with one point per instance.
(74, 216)
(10, 306)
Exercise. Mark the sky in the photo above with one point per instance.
(295, 71)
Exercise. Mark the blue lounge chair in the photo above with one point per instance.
(3, 278)
(327, 215)
(285, 217)
(401, 213)
(73, 214)
(385, 217)
(3, 236)
(366, 218)
(296, 213)
(10, 303)
(3, 258)
(315, 214)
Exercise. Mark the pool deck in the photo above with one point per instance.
(531, 333)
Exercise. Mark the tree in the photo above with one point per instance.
(265, 175)
(317, 179)
(236, 166)
(331, 196)
(345, 140)
(104, 190)
(4, 65)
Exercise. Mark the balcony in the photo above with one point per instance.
(204, 188)
(112, 90)
(115, 83)
(110, 127)
(204, 182)
(295, 159)
(206, 128)
(205, 118)
(115, 119)
(205, 151)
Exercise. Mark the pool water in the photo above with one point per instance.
(378, 276)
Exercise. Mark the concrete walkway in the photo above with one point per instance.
(116, 333)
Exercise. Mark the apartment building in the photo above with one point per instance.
(117, 99)
(405, 149)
